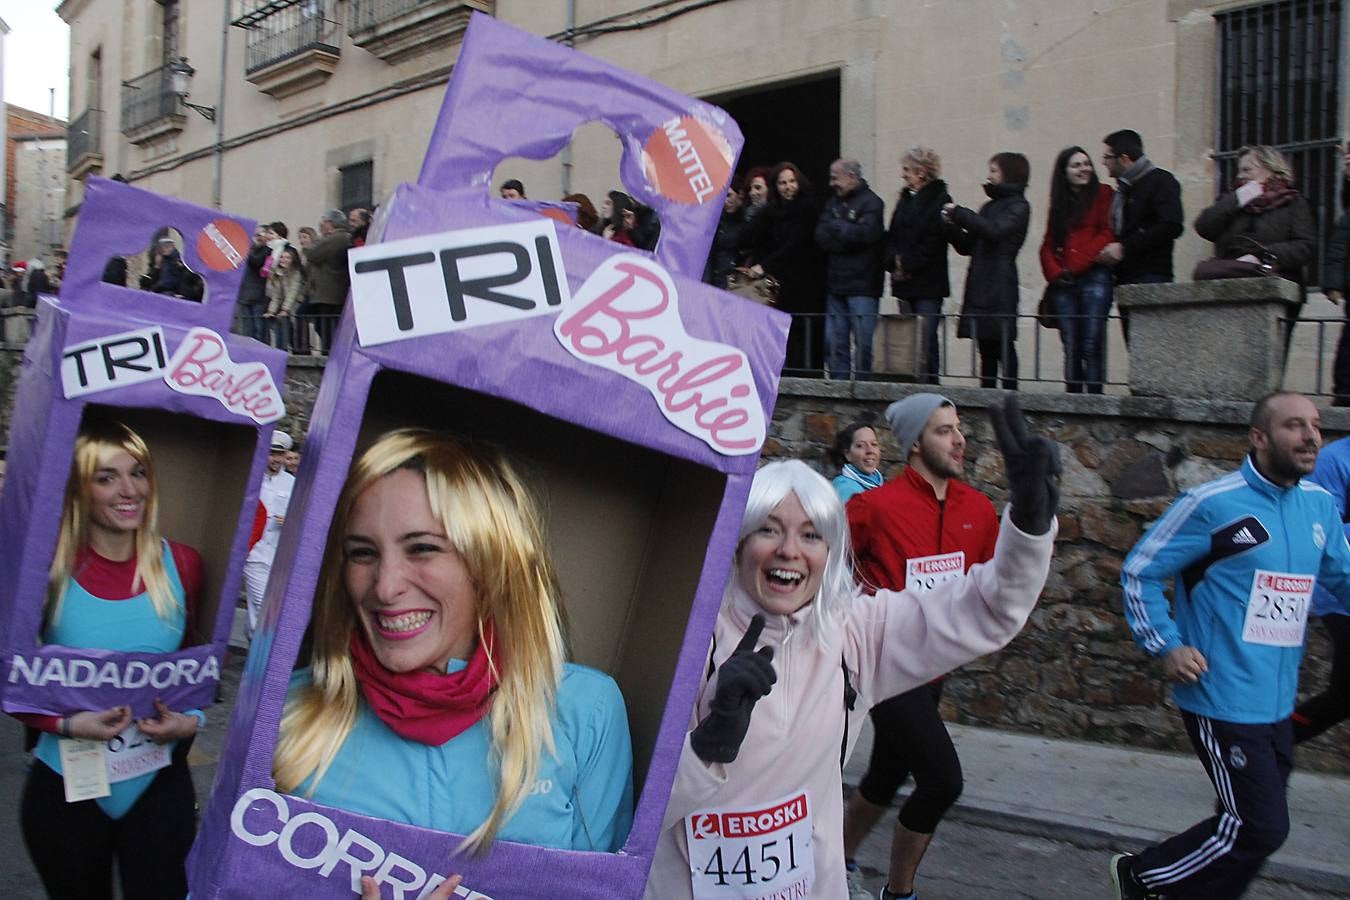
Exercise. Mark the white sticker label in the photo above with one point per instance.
(1277, 609)
(923, 573)
(113, 361)
(752, 854)
(443, 282)
(131, 753)
(83, 770)
(626, 318)
(202, 367)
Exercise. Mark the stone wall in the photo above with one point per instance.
(1074, 671)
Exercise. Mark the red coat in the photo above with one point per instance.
(903, 519)
(1083, 242)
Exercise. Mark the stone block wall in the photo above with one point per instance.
(1074, 671)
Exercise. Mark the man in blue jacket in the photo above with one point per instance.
(851, 230)
(1245, 551)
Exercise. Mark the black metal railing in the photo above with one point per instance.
(899, 354)
(148, 97)
(303, 334)
(364, 14)
(1312, 355)
(84, 137)
(289, 32)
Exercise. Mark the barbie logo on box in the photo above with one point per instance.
(202, 366)
(626, 318)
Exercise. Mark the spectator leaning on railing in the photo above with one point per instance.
(328, 278)
(1336, 281)
(851, 230)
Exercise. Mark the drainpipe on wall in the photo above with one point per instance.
(567, 151)
(218, 159)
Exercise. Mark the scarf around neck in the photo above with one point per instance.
(853, 473)
(423, 706)
(1125, 183)
(1274, 194)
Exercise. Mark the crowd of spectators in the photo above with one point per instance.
(831, 255)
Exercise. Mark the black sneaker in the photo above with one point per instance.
(1122, 878)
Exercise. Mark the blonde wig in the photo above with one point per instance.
(821, 504)
(1270, 159)
(95, 444)
(493, 524)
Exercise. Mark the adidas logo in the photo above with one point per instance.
(1244, 536)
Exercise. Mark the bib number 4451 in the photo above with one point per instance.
(760, 853)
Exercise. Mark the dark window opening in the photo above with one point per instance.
(357, 186)
(1279, 74)
(795, 121)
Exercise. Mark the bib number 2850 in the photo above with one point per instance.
(752, 854)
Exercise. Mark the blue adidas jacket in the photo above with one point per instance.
(1212, 541)
(1333, 473)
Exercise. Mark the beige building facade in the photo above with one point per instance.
(304, 105)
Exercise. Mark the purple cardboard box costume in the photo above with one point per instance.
(635, 397)
(204, 401)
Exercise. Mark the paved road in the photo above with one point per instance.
(970, 862)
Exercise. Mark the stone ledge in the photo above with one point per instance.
(1178, 409)
(1195, 293)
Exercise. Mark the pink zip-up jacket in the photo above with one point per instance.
(889, 643)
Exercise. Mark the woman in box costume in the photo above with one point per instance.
(437, 693)
(115, 584)
(757, 805)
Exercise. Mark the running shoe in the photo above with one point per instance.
(1122, 878)
(856, 889)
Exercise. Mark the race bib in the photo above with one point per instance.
(1277, 609)
(752, 854)
(131, 753)
(923, 573)
(82, 770)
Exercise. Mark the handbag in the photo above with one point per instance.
(761, 289)
(1215, 269)
(1045, 310)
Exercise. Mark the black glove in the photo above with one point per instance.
(1032, 465)
(745, 677)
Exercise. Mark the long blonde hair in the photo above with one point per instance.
(493, 524)
(94, 444)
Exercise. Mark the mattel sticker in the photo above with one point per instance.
(626, 318)
(202, 366)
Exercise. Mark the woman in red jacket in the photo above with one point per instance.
(1079, 227)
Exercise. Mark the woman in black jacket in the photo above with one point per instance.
(991, 238)
(916, 245)
(797, 263)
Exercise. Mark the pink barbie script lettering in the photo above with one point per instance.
(202, 366)
(626, 318)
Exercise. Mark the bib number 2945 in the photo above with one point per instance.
(752, 854)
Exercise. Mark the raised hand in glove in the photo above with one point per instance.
(746, 676)
(1032, 466)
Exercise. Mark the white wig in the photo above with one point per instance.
(820, 502)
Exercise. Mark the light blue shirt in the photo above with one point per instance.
(581, 800)
(130, 626)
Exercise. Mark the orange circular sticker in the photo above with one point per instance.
(687, 160)
(552, 212)
(222, 245)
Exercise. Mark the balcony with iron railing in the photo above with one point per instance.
(290, 47)
(150, 108)
(395, 30)
(84, 144)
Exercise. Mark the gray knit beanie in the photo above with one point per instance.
(908, 416)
